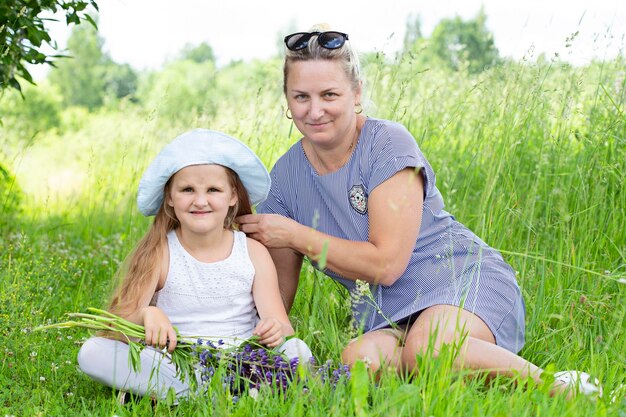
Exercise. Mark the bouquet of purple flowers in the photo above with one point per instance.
(241, 368)
(251, 365)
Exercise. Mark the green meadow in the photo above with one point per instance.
(530, 155)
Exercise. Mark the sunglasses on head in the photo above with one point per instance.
(329, 40)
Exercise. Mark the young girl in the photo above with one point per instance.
(193, 270)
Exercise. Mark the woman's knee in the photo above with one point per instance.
(355, 352)
(440, 326)
(352, 353)
(374, 351)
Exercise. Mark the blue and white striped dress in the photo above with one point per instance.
(449, 264)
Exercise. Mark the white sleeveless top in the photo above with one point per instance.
(213, 300)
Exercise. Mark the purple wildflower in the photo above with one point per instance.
(250, 366)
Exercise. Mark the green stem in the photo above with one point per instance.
(552, 261)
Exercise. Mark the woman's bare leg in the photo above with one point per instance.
(379, 349)
(445, 324)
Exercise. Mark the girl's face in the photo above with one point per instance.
(201, 196)
(322, 101)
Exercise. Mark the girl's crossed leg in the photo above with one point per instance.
(106, 361)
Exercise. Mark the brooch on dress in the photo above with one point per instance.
(358, 199)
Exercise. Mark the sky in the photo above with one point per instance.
(147, 33)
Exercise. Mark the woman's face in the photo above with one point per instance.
(322, 101)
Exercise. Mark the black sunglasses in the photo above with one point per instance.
(328, 40)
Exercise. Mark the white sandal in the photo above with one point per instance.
(580, 382)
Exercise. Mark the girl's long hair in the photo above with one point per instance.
(144, 262)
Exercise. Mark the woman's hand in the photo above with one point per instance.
(272, 230)
(272, 332)
(159, 330)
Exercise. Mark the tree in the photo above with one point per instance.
(23, 35)
(81, 79)
(199, 53)
(90, 75)
(121, 80)
(24, 117)
(181, 91)
(457, 43)
(413, 32)
(11, 197)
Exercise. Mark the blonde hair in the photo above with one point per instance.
(144, 262)
(314, 51)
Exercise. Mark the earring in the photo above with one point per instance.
(358, 108)
(288, 114)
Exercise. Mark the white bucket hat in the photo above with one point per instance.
(199, 147)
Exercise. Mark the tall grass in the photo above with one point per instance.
(529, 156)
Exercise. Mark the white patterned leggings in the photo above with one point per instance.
(106, 361)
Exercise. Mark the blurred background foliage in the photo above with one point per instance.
(189, 86)
(88, 100)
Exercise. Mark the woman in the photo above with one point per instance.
(357, 193)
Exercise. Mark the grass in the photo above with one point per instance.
(529, 156)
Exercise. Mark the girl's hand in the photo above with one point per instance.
(159, 331)
(270, 331)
